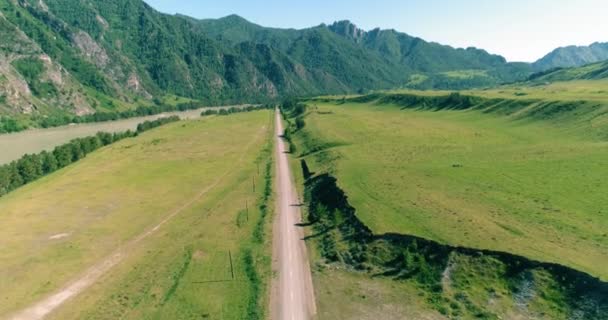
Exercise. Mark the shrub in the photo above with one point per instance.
(8, 125)
(147, 125)
(209, 112)
(300, 123)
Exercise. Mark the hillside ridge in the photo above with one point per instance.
(81, 57)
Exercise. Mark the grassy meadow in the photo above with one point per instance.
(346, 295)
(577, 90)
(55, 228)
(469, 178)
(587, 90)
(15, 145)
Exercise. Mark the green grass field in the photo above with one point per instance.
(587, 90)
(524, 186)
(56, 227)
(345, 295)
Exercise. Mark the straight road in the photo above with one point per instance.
(293, 296)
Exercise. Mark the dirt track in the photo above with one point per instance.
(293, 294)
(44, 307)
(293, 297)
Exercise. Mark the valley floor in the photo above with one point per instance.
(451, 209)
(175, 208)
(468, 179)
(424, 211)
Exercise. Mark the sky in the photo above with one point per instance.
(519, 30)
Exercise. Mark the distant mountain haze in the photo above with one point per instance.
(573, 56)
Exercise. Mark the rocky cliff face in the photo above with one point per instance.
(347, 29)
(31, 81)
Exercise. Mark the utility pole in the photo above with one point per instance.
(231, 267)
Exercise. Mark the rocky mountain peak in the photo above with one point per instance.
(347, 29)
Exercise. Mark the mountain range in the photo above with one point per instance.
(573, 56)
(593, 71)
(83, 56)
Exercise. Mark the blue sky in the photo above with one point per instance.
(520, 30)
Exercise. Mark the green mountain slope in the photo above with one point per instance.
(82, 56)
(594, 71)
(405, 59)
(573, 56)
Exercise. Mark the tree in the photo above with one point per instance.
(300, 123)
(15, 178)
(144, 126)
(29, 168)
(76, 150)
(37, 162)
(8, 125)
(209, 112)
(63, 155)
(299, 109)
(289, 103)
(89, 144)
(105, 138)
(49, 162)
(5, 180)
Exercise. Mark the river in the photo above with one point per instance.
(14, 145)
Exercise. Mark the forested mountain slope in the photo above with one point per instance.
(82, 56)
(411, 61)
